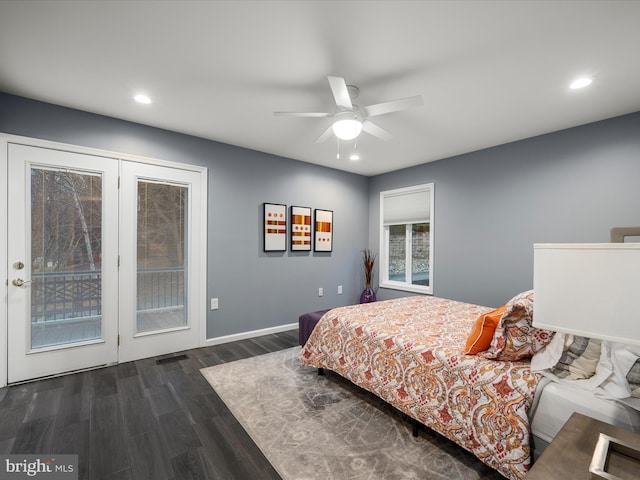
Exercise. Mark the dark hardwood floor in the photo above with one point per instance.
(140, 420)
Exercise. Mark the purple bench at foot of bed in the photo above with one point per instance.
(306, 323)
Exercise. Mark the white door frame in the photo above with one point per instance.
(4, 287)
(5, 139)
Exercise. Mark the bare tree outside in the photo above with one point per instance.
(66, 251)
(161, 252)
(161, 225)
(66, 226)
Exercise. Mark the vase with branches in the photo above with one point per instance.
(369, 261)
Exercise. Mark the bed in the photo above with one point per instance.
(412, 353)
(555, 402)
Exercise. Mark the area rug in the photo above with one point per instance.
(325, 428)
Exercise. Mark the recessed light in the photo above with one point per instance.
(580, 83)
(140, 98)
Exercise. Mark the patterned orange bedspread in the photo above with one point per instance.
(409, 352)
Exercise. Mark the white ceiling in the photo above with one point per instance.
(490, 72)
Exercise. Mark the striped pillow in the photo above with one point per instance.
(579, 358)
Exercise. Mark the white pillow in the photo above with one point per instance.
(619, 358)
(549, 355)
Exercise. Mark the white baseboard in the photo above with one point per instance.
(254, 333)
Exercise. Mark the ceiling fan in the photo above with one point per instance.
(350, 119)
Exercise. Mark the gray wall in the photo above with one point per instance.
(256, 290)
(492, 205)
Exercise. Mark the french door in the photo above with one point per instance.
(63, 262)
(160, 229)
(101, 265)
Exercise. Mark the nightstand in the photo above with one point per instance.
(569, 455)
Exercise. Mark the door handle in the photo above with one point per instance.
(18, 282)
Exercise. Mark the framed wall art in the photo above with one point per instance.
(323, 231)
(300, 229)
(275, 227)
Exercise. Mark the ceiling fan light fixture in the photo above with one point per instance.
(347, 128)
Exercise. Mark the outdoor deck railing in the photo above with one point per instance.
(65, 296)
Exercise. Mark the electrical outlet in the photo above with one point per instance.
(214, 304)
(339, 289)
(320, 292)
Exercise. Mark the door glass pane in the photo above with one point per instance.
(397, 252)
(420, 254)
(161, 275)
(66, 252)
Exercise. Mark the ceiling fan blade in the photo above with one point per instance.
(378, 132)
(340, 92)
(303, 114)
(327, 133)
(394, 105)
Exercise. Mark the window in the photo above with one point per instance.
(406, 239)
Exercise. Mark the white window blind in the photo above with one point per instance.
(406, 207)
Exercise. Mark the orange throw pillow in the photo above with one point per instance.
(482, 333)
